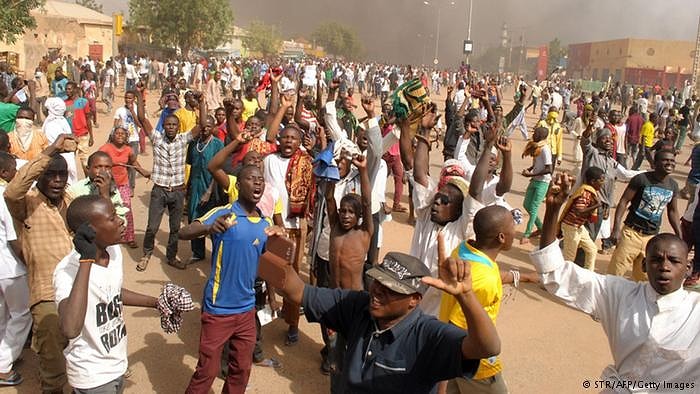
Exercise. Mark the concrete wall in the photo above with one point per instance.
(67, 34)
(661, 54)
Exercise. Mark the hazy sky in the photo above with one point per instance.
(404, 30)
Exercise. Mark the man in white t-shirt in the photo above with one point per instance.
(126, 116)
(90, 298)
(130, 75)
(15, 319)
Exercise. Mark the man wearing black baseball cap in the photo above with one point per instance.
(392, 346)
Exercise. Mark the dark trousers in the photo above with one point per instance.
(130, 171)
(197, 244)
(162, 198)
(695, 231)
(238, 331)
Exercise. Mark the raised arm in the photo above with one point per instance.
(273, 128)
(298, 119)
(217, 162)
(506, 177)
(421, 162)
(16, 191)
(274, 91)
(141, 114)
(202, 117)
(366, 190)
(481, 171)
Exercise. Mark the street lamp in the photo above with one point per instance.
(437, 29)
(469, 27)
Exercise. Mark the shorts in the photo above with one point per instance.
(83, 149)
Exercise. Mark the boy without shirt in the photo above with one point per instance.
(349, 239)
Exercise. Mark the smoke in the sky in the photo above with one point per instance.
(404, 30)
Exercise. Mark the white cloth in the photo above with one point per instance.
(98, 354)
(424, 243)
(15, 320)
(11, 266)
(652, 337)
(56, 124)
(275, 174)
(621, 131)
(540, 162)
(128, 122)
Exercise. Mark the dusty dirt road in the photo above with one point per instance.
(546, 346)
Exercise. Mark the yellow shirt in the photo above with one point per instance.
(555, 138)
(488, 289)
(647, 133)
(232, 193)
(249, 108)
(188, 119)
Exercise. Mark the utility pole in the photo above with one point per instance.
(469, 26)
(695, 81)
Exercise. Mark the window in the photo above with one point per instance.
(594, 75)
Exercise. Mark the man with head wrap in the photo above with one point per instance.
(555, 136)
(56, 124)
(446, 207)
(26, 142)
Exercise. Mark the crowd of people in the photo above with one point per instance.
(262, 156)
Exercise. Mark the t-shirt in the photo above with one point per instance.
(647, 134)
(119, 156)
(275, 174)
(650, 199)
(128, 122)
(249, 108)
(540, 162)
(621, 131)
(188, 119)
(130, 72)
(76, 115)
(8, 114)
(89, 89)
(11, 267)
(98, 354)
(108, 76)
(235, 255)
(488, 289)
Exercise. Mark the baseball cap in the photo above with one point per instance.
(401, 273)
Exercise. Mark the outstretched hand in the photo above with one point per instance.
(559, 190)
(359, 161)
(454, 276)
(430, 118)
(504, 145)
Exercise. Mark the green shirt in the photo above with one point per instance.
(85, 187)
(8, 114)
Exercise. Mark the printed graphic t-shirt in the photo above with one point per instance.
(98, 354)
(649, 202)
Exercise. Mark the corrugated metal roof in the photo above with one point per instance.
(60, 9)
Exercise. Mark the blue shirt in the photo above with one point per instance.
(230, 287)
(410, 357)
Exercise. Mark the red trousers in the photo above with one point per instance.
(396, 167)
(238, 331)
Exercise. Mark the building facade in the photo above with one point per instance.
(633, 61)
(65, 28)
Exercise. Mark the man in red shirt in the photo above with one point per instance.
(634, 129)
(77, 110)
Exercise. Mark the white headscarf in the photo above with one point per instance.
(55, 123)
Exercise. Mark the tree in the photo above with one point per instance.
(188, 24)
(91, 4)
(338, 40)
(15, 18)
(556, 53)
(262, 38)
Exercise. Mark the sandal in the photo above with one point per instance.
(143, 264)
(292, 339)
(132, 245)
(13, 380)
(269, 362)
(177, 264)
(399, 208)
